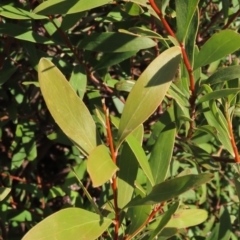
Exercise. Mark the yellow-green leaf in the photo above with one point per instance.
(70, 223)
(149, 91)
(100, 166)
(67, 109)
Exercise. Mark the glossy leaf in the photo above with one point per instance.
(67, 109)
(161, 154)
(172, 188)
(22, 33)
(11, 12)
(164, 220)
(100, 166)
(219, 94)
(67, 6)
(4, 192)
(149, 91)
(185, 218)
(70, 223)
(115, 42)
(185, 11)
(224, 74)
(217, 47)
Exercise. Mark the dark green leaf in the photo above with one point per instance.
(219, 94)
(164, 220)
(224, 74)
(110, 59)
(67, 6)
(172, 188)
(217, 47)
(22, 33)
(127, 174)
(114, 42)
(161, 154)
(185, 11)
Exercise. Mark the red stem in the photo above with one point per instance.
(114, 179)
(232, 139)
(192, 99)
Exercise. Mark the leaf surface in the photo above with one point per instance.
(67, 109)
(148, 92)
(185, 218)
(100, 166)
(172, 188)
(115, 42)
(70, 223)
(217, 47)
(67, 6)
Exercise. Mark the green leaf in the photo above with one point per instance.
(219, 94)
(67, 6)
(167, 233)
(141, 157)
(110, 59)
(172, 188)
(18, 13)
(190, 39)
(138, 216)
(100, 166)
(78, 80)
(185, 11)
(67, 109)
(164, 220)
(127, 174)
(114, 42)
(222, 229)
(161, 154)
(6, 72)
(22, 33)
(133, 9)
(149, 91)
(216, 118)
(4, 192)
(237, 184)
(217, 47)
(125, 85)
(70, 223)
(185, 218)
(224, 74)
(135, 145)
